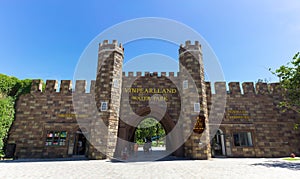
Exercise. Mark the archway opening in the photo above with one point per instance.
(150, 135)
(218, 144)
(80, 143)
(164, 142)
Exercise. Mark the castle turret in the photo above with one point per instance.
(194, 99)
(108, 96)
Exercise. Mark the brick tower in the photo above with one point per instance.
(191, 78)
(108, 96)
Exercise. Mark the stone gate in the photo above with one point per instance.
(243, 120)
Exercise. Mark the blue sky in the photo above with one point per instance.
(44, 39)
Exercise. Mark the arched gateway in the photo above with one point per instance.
(111, 111)
(124, 100)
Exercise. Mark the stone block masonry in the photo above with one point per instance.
(246, 117)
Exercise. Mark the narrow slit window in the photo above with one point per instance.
(185, 84)
(103, 106)
(196, 107)
(115, 83)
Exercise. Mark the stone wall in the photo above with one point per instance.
(42, 111)
(257, 110)
(250, 109)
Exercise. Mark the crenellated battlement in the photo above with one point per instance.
(234, 88)
(231, 88)
(188, 46)
(65, 86)
(113, 46)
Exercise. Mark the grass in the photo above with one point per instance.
(291, 159)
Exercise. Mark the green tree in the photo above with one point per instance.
(148, 128)
(8, 85)
(289, 76)
(10, 89)
(6, 118)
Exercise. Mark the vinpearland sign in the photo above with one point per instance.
(147, 94)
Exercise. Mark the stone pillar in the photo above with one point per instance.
(192, 82)
(108, 96)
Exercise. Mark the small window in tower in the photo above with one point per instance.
(185, 84)
(103, 106)
(115, 83)
(196, 107)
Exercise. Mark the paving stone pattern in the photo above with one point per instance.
(208, 169)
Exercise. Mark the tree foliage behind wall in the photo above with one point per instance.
(6, 118)
(148, 129)
(289, 76)
(10, 89)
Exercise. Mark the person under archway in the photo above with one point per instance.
(135, 149)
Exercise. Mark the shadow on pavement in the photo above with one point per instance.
(43, 160)
(280, 164)
(140, 157)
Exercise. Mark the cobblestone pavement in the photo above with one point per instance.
(214, 168)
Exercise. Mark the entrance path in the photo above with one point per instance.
(155, 153)
(215, 168)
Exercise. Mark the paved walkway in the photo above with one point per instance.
(215, 168)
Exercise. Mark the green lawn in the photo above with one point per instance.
(291, 159)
